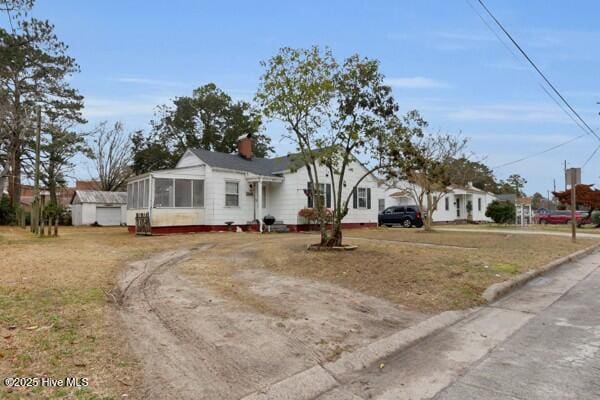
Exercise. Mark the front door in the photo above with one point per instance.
(457, 207)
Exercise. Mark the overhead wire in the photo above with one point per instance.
(579, 124)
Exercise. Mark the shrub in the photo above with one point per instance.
(7, 213)
(312, 215)
(501, 212)
(596, 218)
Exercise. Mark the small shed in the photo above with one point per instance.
(104, 208)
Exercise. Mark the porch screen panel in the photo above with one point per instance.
(136, 195)
(129, 196)
(145, 199)
(198, 195)
(183, 192)
(141, 194)
(163, 192)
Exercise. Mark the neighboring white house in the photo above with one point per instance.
(209, 191)
(453, 206)
(104, 208)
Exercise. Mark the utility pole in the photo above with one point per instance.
(565, 168)
(573, 200)
(573, 176)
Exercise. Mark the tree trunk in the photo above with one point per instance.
(336, 237)
(14, 175)
(52, 187)
(429, 219)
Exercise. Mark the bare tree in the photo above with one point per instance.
(428, 170)
(112, 156)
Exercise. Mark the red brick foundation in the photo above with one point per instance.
(166, 230)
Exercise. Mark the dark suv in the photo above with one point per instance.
(406, 216)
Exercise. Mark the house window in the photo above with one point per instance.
(479, 204)
(163, 192)
(264, 196)
(198, 199)
(183, 192)
(362, 197)
(447, 204)
(381, 205)
(232, 196)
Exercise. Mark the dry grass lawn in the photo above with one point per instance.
(56, 319)
(533, 227)
(426, 278)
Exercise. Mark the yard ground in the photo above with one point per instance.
(238, 310)
(591, 229)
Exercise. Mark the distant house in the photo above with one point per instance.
(453, 206)
(87, 185)
(104, 208)
(209, 191)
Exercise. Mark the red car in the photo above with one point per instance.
(562, 217)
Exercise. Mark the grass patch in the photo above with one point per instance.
(55, 320)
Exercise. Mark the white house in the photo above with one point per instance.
(209, 191)
(453, 206)
(104, 208)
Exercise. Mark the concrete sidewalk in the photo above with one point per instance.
(519, 232)
(554, 356)
(542, 341)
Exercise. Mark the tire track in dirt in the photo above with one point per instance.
(197, 342)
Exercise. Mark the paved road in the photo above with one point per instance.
(521, 232)
(541, 342)
(554, 356)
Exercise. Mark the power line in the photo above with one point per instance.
(538, 70)
(520, 61)
(9, 17)
(591, 156)
(541, 152)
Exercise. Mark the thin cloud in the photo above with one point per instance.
(415, 82)
(147, 81)
(96, 107)
(510, 113)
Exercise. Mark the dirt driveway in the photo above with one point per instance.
(204, 332)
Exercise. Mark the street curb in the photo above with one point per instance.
(319, 379)
(498, 290)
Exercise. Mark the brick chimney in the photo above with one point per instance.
(244, 145)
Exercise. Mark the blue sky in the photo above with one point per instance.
(438, 56)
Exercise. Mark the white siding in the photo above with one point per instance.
(188, 159)
(289, 198)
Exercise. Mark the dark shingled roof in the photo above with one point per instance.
(259, 166)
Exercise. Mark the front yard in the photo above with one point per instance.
(57, 319)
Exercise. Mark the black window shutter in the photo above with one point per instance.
(369, 198)
(309, 194)
(328, 195)
(354, 198)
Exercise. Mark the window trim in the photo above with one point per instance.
(237, 183)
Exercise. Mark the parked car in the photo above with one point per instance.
(406, 216)
(562, 217)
